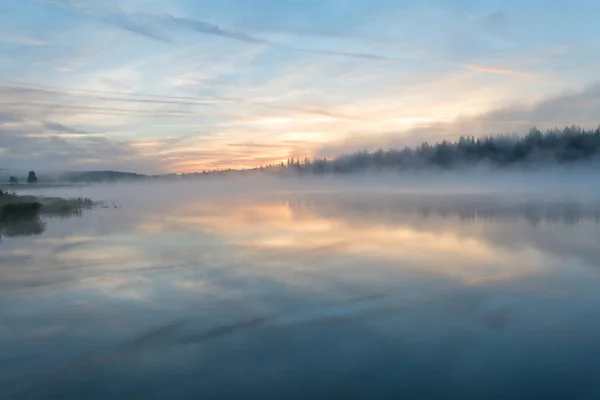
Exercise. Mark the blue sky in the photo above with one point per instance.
(183, 85)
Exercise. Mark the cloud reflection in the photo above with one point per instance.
(183, 283)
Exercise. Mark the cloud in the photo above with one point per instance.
(63, 3)
(216, 30)
(212, 29)
(46, 102)
(6, 117)
(258, 145)
(365, 56)
(135, 24)
(54, 153)
(146, 25)
(34, 140)
(54, 126)
(498, 71)
(570, 108)
(34, 92)
(25, 40)
(582, 108)
(497, 23)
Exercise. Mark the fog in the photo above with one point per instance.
(577, 182)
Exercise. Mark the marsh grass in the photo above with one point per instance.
(15, 206)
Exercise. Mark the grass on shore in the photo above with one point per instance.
(14, 206)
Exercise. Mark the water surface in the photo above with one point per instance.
(304, 294)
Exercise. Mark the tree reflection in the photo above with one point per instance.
(23, 224)
(21, 227)
(386, 209)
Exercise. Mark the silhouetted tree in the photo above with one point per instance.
(31, 178)
(13, 180)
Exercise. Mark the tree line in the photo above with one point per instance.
(571, 144)
(555, 146)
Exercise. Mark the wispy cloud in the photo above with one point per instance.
(142, 98)
(364, 56)
(498, 71)
(216, 30)
(30, 148)
(211, 29)
(113, 15)
(25, 40)
(54, 126)
(135, 24)
(8, 117)
(148, 25)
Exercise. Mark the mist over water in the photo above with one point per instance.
(480, 285)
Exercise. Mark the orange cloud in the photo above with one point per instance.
(498, 71)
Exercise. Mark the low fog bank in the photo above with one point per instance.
(573, 184)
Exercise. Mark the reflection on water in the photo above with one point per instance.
(29, 225)
(21, 227)
(304, 295)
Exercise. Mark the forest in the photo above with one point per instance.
(555, 146)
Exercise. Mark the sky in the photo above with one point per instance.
(158, 86)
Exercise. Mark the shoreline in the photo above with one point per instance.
(23, 206)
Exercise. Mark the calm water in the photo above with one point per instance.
(304, 294)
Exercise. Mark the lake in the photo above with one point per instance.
(308, 291)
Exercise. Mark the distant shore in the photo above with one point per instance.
(47, 185)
